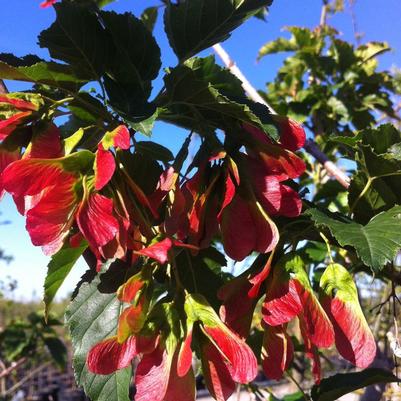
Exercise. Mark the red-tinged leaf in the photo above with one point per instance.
(257, 279)
(353, 337)
(292, 134)
(47, 3)
(291, 203)
(129, 290)
(158, 251)
(277, 351)
(132, 320)
(8, 125)
(242, 362)
(45, 144)
(239, 242)
(229, 193)
(180, 388)
(18, 177)
(317, 324)
(282, 302)
(311, 351)
(240, 359)
(289, 294)
(121, 137)
(96, 220)
(6, 158)
(49, 221)
(118, 138)
(217, 376)
(104, 167)
(275, 198)
(237, 309)
(76, 240)
(19, 104)
(152, 376)
(109, 355)
(167, 182)
(184, 361)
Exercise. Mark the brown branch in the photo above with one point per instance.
(13, 367)
(310, 146)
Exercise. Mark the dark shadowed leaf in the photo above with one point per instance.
(214, 20)
(149, 17)
(155, 150)
(77, 38)
(334, 387)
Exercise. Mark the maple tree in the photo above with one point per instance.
(156, 228)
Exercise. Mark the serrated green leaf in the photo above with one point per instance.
(214, 20)
(332, 388)
(77, 38)
(92, 317)
(376, 243)
(58, 269)
(48, 73)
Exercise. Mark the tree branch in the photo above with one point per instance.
(310, 146)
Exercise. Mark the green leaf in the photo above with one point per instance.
(204, 95)
(72, 141)
(92, 317)
(376, 243)
(77, 38)
(375, 186)
(149, 17)
(382, 138)
(276, 46)
(145, 127)
(48, 73)
(58, 269)
(334, 387)
(195, 25)
(155, 150)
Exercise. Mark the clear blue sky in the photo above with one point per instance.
(22, 20)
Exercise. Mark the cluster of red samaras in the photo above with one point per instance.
(71, 198)
(75, 196)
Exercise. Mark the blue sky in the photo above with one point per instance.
(22, 21)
